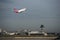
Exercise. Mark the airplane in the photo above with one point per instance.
(19, 11)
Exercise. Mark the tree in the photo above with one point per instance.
(42, 26)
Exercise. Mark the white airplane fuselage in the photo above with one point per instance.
(19, 11)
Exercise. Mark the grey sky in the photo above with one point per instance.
(46, 12)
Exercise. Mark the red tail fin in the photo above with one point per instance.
(15, 9)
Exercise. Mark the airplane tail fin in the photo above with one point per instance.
(15, 10)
